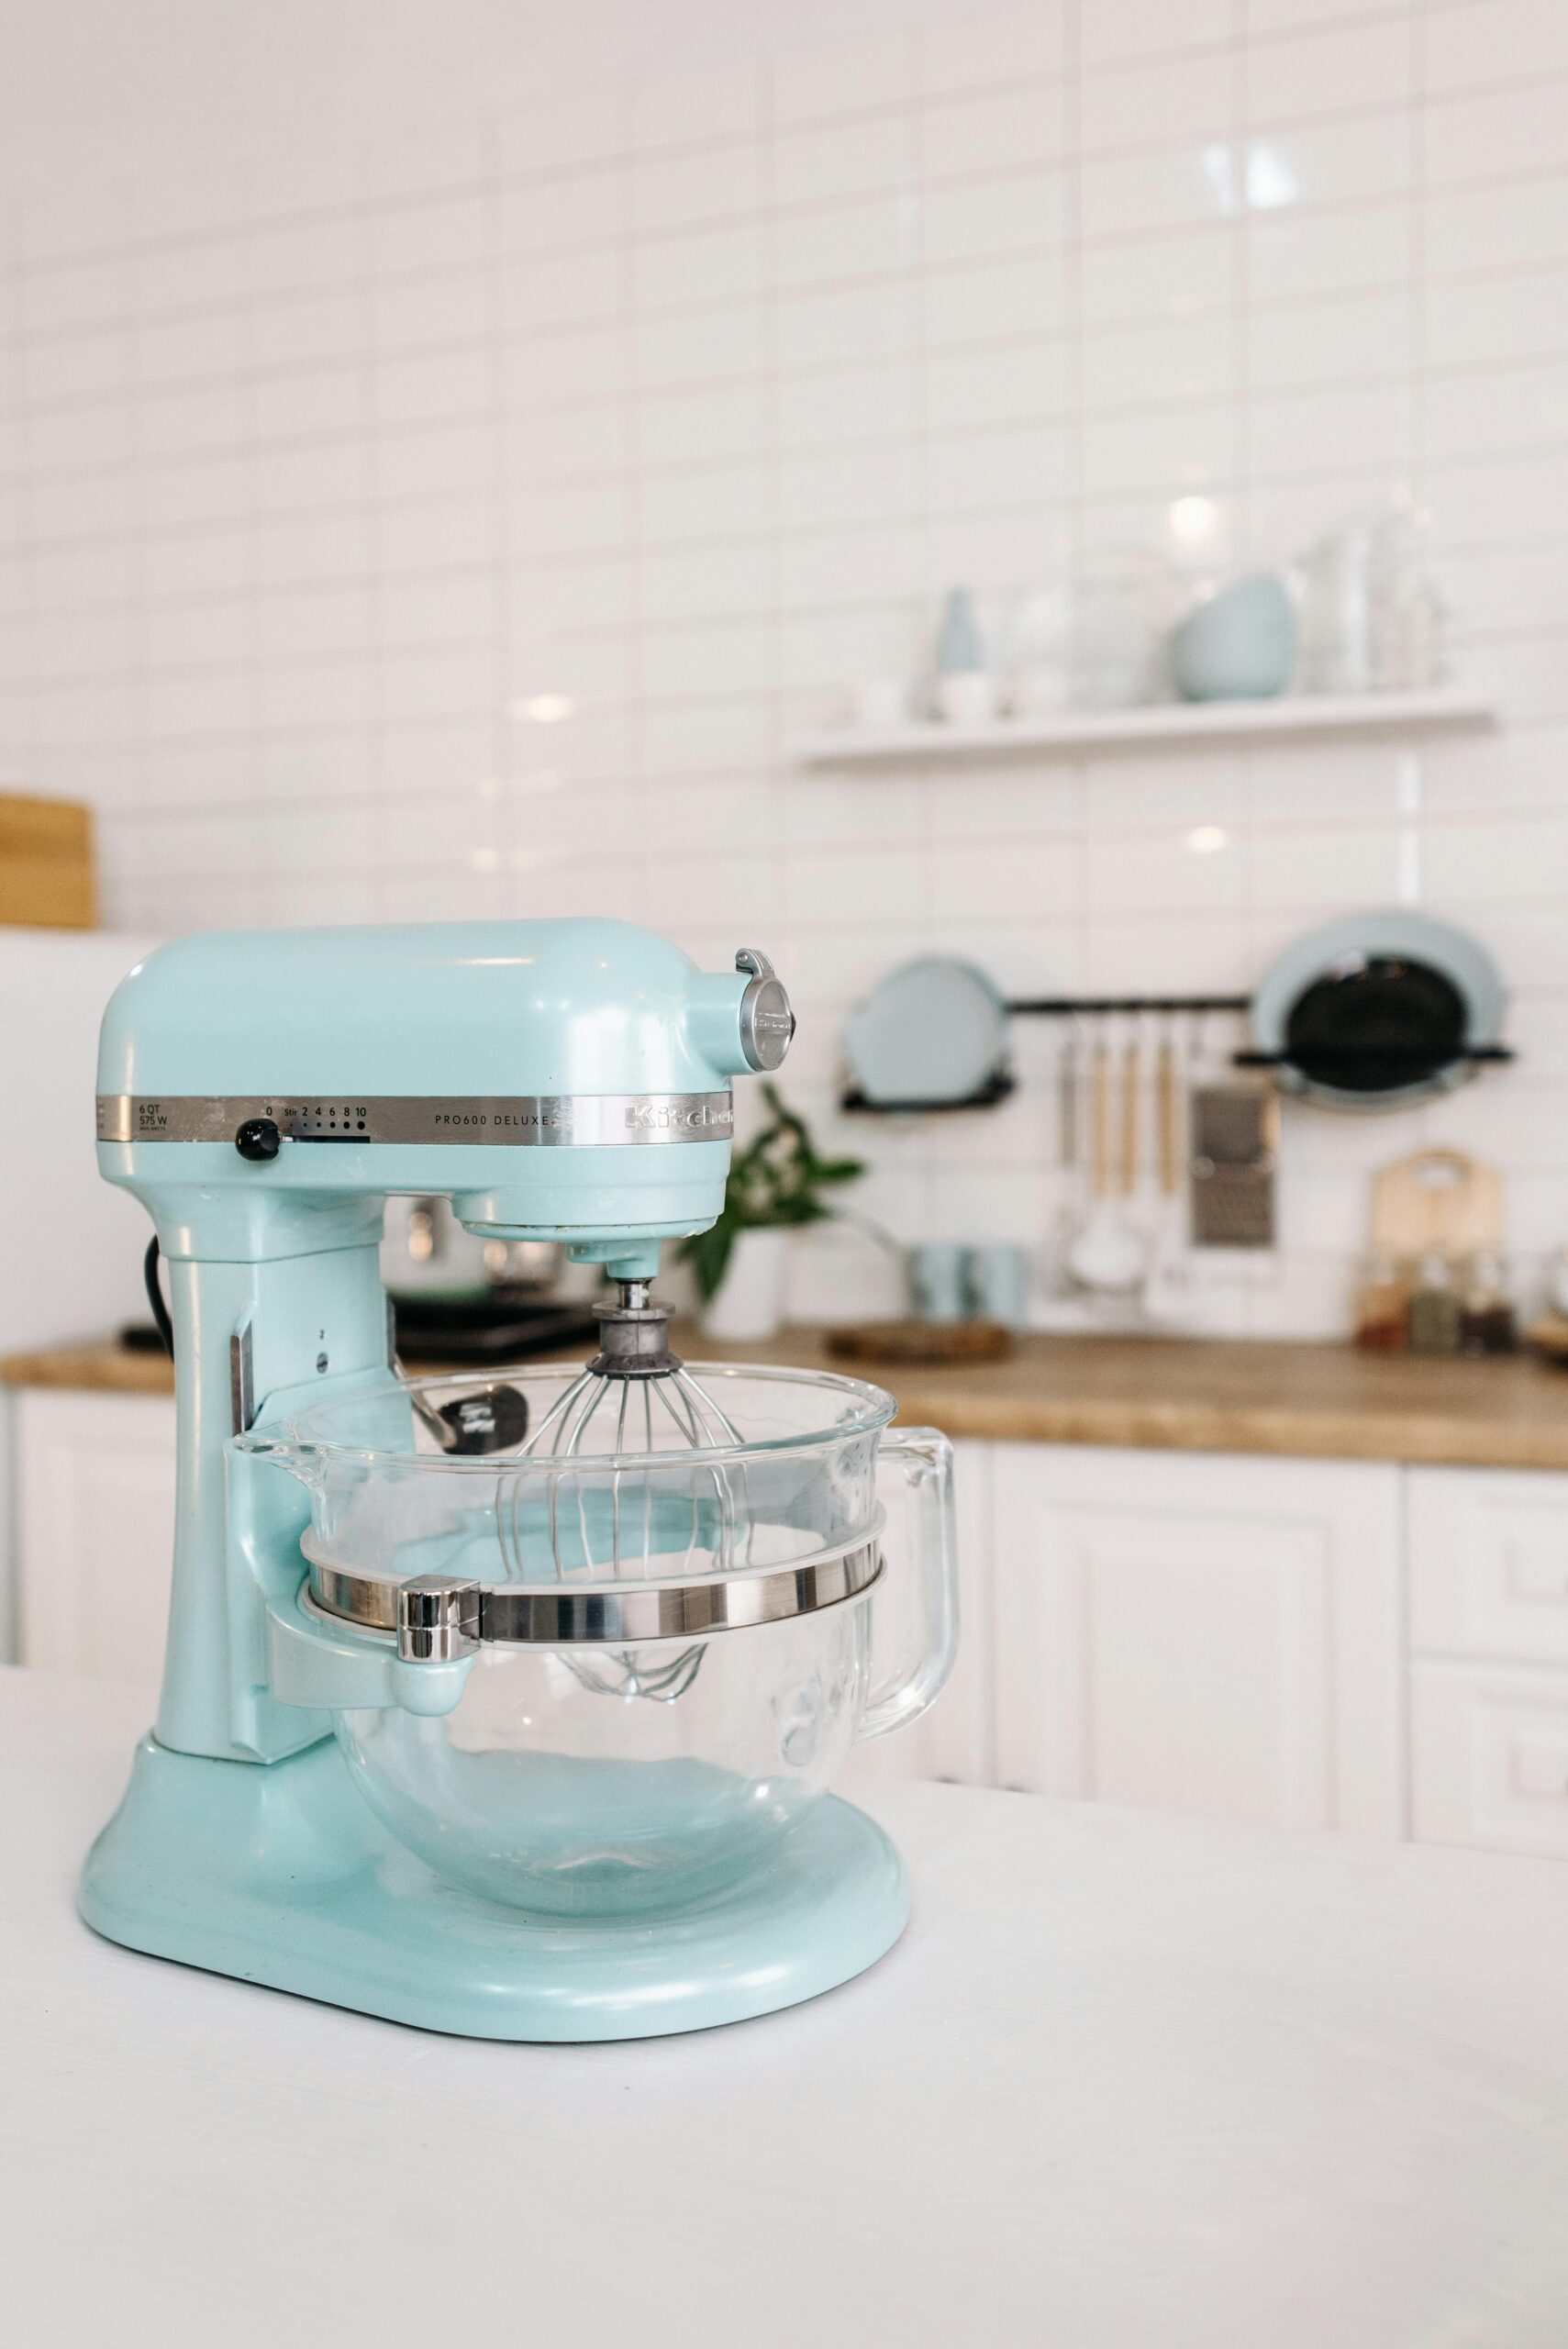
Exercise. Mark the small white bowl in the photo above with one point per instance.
(967, 696)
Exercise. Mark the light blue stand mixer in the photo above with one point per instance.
(505, 1709)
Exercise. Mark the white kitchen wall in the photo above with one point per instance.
(461, 524)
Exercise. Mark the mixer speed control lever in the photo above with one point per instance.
(258, 1138)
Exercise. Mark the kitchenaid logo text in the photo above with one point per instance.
(654, 1116)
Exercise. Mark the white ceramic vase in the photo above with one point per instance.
(750, 1298)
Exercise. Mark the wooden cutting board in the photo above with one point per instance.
(45, 863)
(916, 1343)
(1437, 1201)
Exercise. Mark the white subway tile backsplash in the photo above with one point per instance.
(1316, 873)
(441, 305)
(1474, 322)
(1495, 134)
(1293, 254)
(698, 347)
(79, 366)
(202, 273)
(822, 78)
(1166, 450)
(1154, 101)
(995, 384)
(834, 406)
(705, 183)
(536, 290)
(1337, 338)
(821, 488)
(1498, 409)
(198, 630)
(1300, 433)
(865, 237)
(563, 365)
(686, 105)
(1022, 211)
(290, 257)
(406, 459)
(687, 398)
(686, 425)
(285, 330)
(826, 161)
(1488, 501)
(1157, 187)
(971, 47)
(695, 266)
(1015, 465)
(560, 213)
(1188, 358)
(199, 416)
(302, 403)
(1345, 160)
(1474, 232)
(78, 437)
(996, 301)
(199, 488)
(292, 477)
(54, 296)
(1018, 128)
(1114, 32)
(568, 124)
(1329, 68)
(418, 387)
(1153, 277)
(431, 232)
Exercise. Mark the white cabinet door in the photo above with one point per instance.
(1201, 1633)
(954, 1738)
(1488, 1575)
(1489, 1750)
(96, 1531)
(1489, 1564)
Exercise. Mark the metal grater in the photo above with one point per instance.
(1235, 1134)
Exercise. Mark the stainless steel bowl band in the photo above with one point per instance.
(543, 1119)
(438, 1616)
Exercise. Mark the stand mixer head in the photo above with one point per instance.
(263, 1094)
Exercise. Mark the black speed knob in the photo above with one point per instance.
(258, 1138)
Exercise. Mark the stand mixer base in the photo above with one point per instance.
(280, 1873)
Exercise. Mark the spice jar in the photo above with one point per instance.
(1381, 1308)
(1486, 1317)
(1435, 1316)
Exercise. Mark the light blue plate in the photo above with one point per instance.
(935, 1032)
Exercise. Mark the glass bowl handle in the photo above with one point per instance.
(901, 1692)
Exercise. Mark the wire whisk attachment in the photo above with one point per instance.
(620, 1511)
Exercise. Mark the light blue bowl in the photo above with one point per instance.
(1239, 646)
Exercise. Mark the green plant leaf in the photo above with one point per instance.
(775, 1182)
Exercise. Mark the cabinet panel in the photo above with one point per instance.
(954, 1738)
(1489, 1563)
(1216, 1635)
(1490, 1757)
(95, 1528)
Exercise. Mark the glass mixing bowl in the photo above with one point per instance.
(675, 1644)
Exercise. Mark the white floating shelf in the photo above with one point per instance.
(1070, 732)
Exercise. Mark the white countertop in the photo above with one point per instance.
(1126, 2083)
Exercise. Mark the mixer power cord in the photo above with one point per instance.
(155, 1296)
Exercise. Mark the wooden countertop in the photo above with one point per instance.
(1161, 1394)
